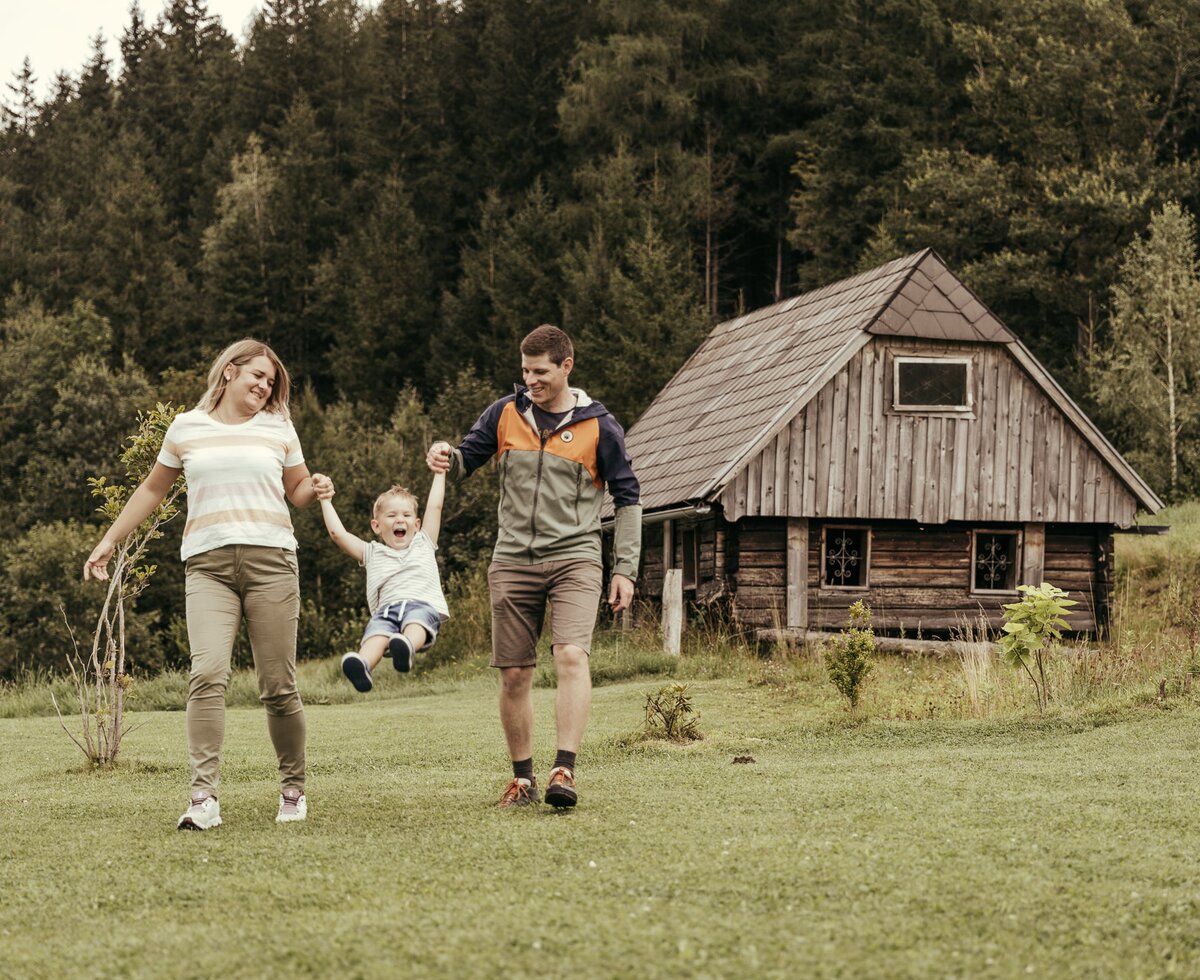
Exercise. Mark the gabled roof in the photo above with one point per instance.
(753, 374)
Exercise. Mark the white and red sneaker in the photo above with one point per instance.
(203, 814)
(293, 807)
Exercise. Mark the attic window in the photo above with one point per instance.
(933, 384)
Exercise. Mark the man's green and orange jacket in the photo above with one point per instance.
(552, 484)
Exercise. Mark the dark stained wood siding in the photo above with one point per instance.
(650, 575)
(919, 577)
(1014, 458)
(711, 532)
(759, 572)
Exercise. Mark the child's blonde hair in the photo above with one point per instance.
(242, 352)
(395, 490)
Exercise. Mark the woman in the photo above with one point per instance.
(241, 457)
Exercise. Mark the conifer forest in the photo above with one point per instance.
(392, 194)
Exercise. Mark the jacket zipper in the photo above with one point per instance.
(537, 490)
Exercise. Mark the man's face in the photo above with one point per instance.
(546, 381)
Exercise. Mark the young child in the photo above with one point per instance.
(403, 588)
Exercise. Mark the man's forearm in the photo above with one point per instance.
(627, 541)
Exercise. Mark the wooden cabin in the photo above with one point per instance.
(883, 438)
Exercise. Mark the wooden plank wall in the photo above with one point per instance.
(1016, 458)
(919, 579)
(759, 572)
(1079, 559)
(650, 575)
(712, 556)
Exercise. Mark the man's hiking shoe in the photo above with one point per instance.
(203, 814)
(520, 792)
(293, 807)
(401, 649)
(355, 668)
(560, 791)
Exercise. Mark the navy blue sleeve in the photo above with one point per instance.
(480, 444)
(614, 464)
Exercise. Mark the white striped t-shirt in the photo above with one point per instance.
(395, 574)
(235, 479)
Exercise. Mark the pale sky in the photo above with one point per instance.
(57, 35)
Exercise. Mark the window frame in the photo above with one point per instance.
(1018, 559)
(965, 409)
(827, 586)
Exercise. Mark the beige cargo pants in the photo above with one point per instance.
(223, 585)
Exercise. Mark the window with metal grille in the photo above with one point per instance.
(845, 557)
(932, 384)
(995, 561)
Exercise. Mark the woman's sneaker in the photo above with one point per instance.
(401, 649)
(203, 814)
(293, 806)
(355, 668)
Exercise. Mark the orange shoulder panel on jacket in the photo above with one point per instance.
(579, 443)
(513, 432)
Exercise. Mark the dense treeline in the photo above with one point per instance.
(393, 194)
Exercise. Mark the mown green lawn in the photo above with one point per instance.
(888, 848)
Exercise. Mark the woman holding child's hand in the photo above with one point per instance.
(242, 461)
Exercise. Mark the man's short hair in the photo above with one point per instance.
(548, 339)
(395, 490)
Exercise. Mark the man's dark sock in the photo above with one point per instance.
(565, 759)
(523, 769)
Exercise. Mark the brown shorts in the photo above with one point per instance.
(519, 594)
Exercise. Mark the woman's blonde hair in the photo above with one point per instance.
(239, 353)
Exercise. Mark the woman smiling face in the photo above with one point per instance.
(248, 387)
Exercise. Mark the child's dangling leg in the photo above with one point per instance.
(403, 646)
(358, 666)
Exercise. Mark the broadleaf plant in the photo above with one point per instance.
(1032, 627)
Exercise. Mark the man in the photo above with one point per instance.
(557, 450)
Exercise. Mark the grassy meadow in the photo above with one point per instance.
(946, 829)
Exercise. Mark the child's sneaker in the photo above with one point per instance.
(401, 649)
(203, 814)
(292, 806)
(355, 668)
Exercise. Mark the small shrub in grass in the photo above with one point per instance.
(99, 677)
(1031, 626)
(670, 715)
(850, 656)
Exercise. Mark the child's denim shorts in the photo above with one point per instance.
(392, 619)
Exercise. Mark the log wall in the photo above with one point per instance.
(712, 534)
(1014, 458)
(919, 578)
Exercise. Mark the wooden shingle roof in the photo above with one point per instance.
(753, 374)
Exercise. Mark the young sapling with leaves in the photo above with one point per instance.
(404, 591)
